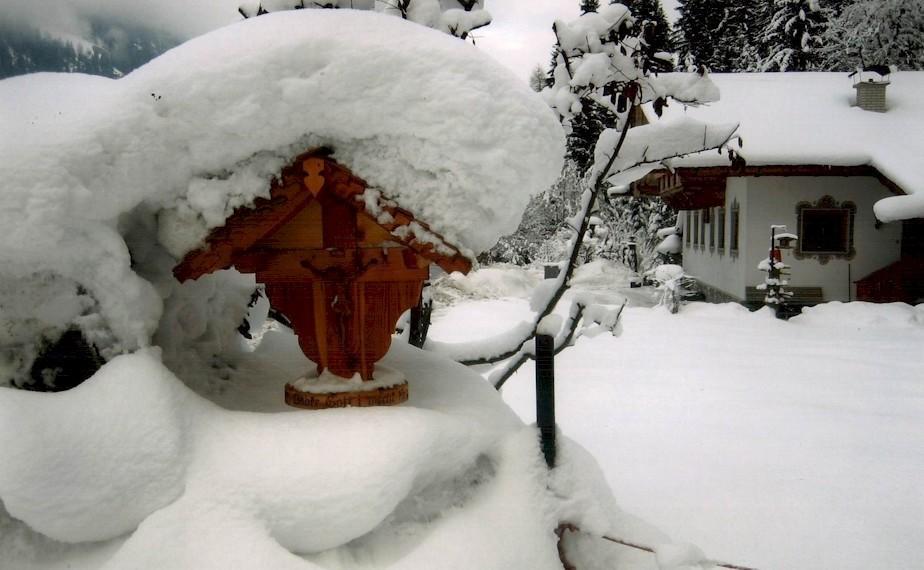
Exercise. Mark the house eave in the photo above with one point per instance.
(692, 188)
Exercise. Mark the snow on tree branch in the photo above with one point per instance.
(650, 145)
(599, 59)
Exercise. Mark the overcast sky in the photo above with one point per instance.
(521, 34)
(519, 37)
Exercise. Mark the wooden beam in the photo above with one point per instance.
(707, 180)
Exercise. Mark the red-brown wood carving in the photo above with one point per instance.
(338, 272)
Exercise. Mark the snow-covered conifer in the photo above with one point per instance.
(793, 36)
(537, 78)
(701, 24)
(650, 13)
(723, 35)
(875, 32)
(589, 6)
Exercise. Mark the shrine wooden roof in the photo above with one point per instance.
(295, 188)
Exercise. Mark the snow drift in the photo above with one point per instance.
(166, 479)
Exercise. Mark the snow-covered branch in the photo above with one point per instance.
(599, 59)
(651, 145)
(607, 319)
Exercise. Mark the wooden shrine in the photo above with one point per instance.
(340, 261)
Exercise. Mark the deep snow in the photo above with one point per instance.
(162, 477)
(766, 443)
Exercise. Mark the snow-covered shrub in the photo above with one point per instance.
(670, 248)
(673, 285)
(554, 248)
(36, 311)
(635, 219)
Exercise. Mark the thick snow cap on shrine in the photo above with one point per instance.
(426, 120)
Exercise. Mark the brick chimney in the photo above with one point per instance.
(870, 83)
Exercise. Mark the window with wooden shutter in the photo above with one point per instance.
(735, 219)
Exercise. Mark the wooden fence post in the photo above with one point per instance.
(545, 395)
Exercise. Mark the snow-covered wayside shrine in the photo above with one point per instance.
(179, 452)
(149, 319)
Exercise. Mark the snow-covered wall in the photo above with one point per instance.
(722, 268)
(772, 200)
(763, 201)
(201, 130)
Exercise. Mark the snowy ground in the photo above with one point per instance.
(767, 444)
(770, 444)
(175, 462)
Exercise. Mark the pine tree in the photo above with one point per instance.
(585, 129)
(723, 35)
(793, 36)
(704, 25)
(589, 6)
(871, 32)
(650, 14)
(537, 79)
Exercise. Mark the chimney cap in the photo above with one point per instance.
(876, 74)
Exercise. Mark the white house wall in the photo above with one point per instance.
(772, 200)
(721, 268)
(763, 201)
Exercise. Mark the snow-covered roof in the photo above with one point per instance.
(811, 118)
(423, 117)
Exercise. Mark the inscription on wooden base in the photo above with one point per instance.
(389, 396)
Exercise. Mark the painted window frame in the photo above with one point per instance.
(826, 204)
(703, 219)
(735, 229)
(695, 229)
(711, 232)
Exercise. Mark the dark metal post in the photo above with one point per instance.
(420, 321)
(545, 395)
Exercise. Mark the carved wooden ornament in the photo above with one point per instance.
(335, 270)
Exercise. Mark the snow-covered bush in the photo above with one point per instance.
(670, 248)
(36, 311)
(673, 285)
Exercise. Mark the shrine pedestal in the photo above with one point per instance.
(328, 391)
